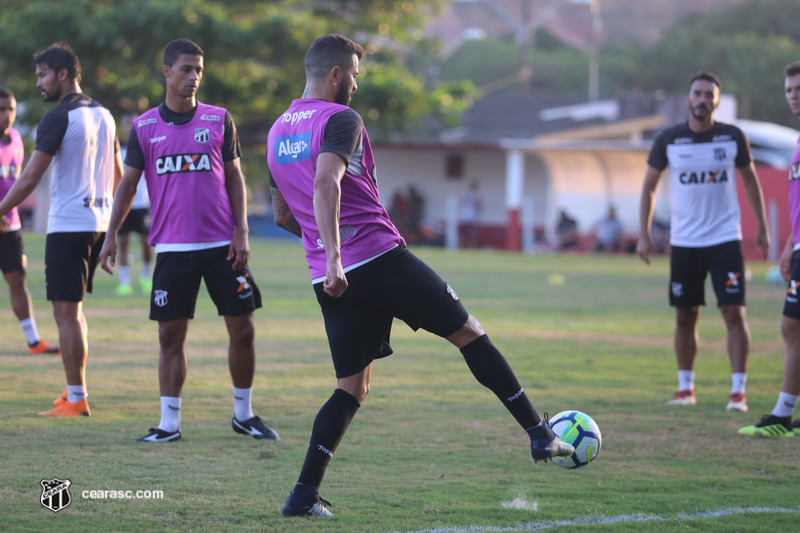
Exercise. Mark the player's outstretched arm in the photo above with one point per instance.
(123, 200)
(25, 184)
(644, 247)
(240, 244)
(752, 189)
(327, 197)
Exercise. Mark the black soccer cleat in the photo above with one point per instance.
(545, 444)
(315, 509)
(159, 435)
(255, 427)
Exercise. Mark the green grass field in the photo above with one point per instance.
(431, 449)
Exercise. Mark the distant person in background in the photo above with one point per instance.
(12, 258)
(567, 231)
(609, 233)
(705, 233)
(779, 422)
(79, 138)
(471, 206)
(138, 221)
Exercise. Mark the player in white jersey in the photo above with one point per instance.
(706, 236)
(12, 258)
(78, 141)
(137, 221)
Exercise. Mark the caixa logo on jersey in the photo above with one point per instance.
(55, 494)
(173, 164)
(293, 148)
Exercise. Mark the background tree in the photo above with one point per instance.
(254, 54)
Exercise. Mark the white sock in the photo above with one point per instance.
(685, 379)
(125, 275)
(170, 414)
(29, 328)
(76, 393)
(738, 382)
(242, 404)
(146, 270)
(786, 404)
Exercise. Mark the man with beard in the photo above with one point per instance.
(79, 138)
(706, 236)
(12, 259)
(325, 191)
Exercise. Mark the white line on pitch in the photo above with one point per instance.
(553, 524)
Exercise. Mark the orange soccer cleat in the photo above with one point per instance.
(43, 347)
(62, 398)
(65, 408)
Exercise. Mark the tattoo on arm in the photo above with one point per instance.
(284, 217)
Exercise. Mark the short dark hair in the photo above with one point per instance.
(706, 76)
(179, 47)
(792, 69)
(6, 93)
(328, 51)
(60, 56)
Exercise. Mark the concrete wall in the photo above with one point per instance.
(584, 183)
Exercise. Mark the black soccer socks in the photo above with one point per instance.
(329, 428)
(491, 370)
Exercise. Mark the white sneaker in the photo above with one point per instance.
(683, 397)
(738, 403)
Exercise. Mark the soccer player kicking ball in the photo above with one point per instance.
(779, 422)
(325, 191)
(189, 153)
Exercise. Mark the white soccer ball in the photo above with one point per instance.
(774, 277)
(581, 431)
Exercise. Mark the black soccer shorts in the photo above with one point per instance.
(791, 305)
(688, 269)
(138, 220)
(176, 283)
(395, 284)
(11, 250)
(70, 259)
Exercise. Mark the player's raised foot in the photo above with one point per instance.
(62, 398)
(124, 290)
(159, 435)
(43, 347)
(293, 507)
(255, 427)
(796, 426)
(769, 426)
(545, 444)
(738, 402)
(66, 408)
(683, 397)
